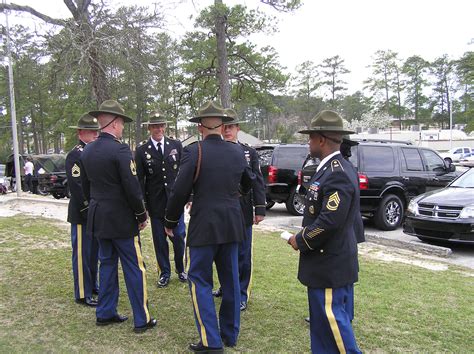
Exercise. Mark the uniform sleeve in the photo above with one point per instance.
(258, 185)
(140, 162)
(128, 175)
(182, 188)
(337, 198)
(74, 174)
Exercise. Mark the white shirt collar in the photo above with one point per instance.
(326, 159)
(155, 143)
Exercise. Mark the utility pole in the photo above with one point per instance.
(16, 156)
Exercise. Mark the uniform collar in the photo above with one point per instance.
(107, 135)
(162, 141)
(326, 159)
(214, 137)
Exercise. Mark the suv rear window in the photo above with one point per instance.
(290, 157)
(377, 158)
(413, 160)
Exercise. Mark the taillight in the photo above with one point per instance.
(272, 174)
(53, 178)
(363, 181)
(299, 178)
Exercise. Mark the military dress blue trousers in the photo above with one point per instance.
(200, 279)
(94, 264)
(330, 322)
(81, 266)
(129, 252)
(245, 265)
(160, 243)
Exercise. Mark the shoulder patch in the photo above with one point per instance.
(336, 166)
(76, 170)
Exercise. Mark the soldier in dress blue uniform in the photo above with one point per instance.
(84, 246)
(217, 173)
(253, 208)
(116, 215)
(327, 243)
(157, 162)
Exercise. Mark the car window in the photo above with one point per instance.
(412, 160)
(290, 157)
(353, 157)
(466, 150)
(466, 180)
(265, 156)
(458, 151)
(433, 161)
(377, 158)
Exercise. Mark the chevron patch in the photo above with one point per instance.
(333, 202)
(76, 171)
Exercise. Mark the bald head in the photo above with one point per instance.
(210, 125)
(111, 124)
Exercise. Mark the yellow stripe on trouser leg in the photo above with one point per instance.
(80, 271)
(333, 322)
(141, 265)
(196, 309)
(186, 250)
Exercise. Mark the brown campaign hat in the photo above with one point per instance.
(112, 107)
(327, 121)
(233, 114)
(209, 110)
(86, 122)
(156, 118)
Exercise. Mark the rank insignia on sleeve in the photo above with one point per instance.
(76, 171)
(333, 201)
(311, 209)
(133, 167)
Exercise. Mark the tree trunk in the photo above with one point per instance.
(223, 69)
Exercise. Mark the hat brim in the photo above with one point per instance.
(225, 119)
(339, 131)
(84, 128)
(235, 122)
(125, 118)
(165, 122)
(350, 142)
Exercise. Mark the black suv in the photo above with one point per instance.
(280, 165)
(390, 174)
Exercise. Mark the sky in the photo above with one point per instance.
(352, 29)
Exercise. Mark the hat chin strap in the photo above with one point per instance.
(211, 128)
(102, 128)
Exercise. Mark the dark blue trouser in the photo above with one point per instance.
(94, 264)
(200, 283)
(330, 325)
(81, 251)
(130, 254)
(162, 251)
(245, 265)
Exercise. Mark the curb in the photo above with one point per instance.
(13, 200)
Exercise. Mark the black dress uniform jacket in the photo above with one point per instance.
(327, 243)
(78, 204)
(216, 214)
(256, 197)
(157, 173)
(109, 181)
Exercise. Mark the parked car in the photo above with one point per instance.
(456, 154)
(280, 165)
(444, 215)
(4, 181)
(390, 174)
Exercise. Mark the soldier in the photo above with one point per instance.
(158, 161)
(116, 215)
(212, 170)
(254, 201)
(327, 243)
(84, 253)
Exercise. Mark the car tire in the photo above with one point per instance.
(42, 190)
(389, 214)
(269, 204)
(295, 203)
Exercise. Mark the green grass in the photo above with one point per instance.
(399, 308)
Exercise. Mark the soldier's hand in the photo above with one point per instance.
(142, 225)
(258, 218)
(292, 242)
(169, 232)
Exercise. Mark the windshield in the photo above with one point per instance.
(466, 180)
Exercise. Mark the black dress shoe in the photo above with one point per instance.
(199, 348)
(306, 319)
(87, 301)
(227, 343)
(164, 281)
(106, 321)
(217, 293)
(183, 277)
(152, 323)
(243, 306)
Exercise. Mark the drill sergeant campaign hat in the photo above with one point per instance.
(156, 118)
(233, 114)
(86, 122)
(111, 107)
(327, 121)
(209, 110)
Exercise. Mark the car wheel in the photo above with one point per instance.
(269, 204)
(295, 203)
(389, 214)
(42, 190)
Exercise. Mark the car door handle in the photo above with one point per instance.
(406, 178)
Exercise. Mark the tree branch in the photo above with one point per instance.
(20, 8)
